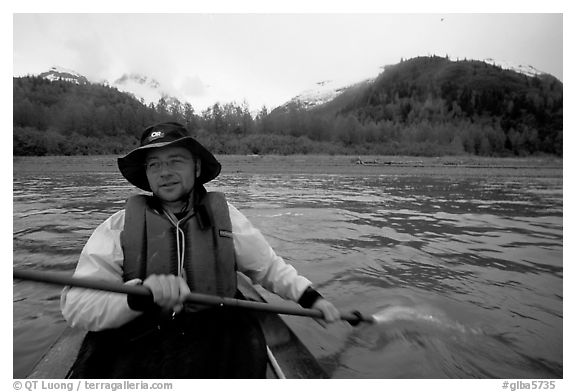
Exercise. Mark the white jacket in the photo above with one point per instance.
(102, 258)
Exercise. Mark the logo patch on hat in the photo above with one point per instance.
(156, 135)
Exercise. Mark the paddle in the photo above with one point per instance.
(353, 318)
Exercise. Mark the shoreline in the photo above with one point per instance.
(322, 164)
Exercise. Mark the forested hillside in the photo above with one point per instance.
(59, 117)
(431, 105)
(421, 106)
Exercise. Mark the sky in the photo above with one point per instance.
(268, 58)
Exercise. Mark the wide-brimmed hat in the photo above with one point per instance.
(163, 135)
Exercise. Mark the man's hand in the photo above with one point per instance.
(330, 312)
(169, 291)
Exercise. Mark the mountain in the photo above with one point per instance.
(59, 73)
(467, 87)
(328, 90)
(138, 85)
(435, 105)
(425, 78)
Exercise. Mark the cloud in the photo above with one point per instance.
(90, 56)
(193, 86)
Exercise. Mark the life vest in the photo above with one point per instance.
(151, 241)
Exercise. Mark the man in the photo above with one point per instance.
(181, 238)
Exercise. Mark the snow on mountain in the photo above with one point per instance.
(140, 86)
(523, 69)
(322, 92)
(509, 65)
(67, 75)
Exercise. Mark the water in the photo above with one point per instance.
(463, 272)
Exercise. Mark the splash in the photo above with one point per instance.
(396, 313)
(420, 314)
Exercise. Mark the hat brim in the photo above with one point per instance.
(132, 165)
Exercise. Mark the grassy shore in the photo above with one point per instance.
(324, 164)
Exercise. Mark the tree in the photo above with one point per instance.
(162, 109)
(190, 121)
(176, 111)
(347, 130)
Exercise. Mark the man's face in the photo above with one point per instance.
(171, 172)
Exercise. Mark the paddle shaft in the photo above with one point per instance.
(205, 299)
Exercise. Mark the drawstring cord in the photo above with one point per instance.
(181, 250)
(180, 242)
(180, 245)
(180, 236)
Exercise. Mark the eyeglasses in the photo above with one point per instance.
(155, 166)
